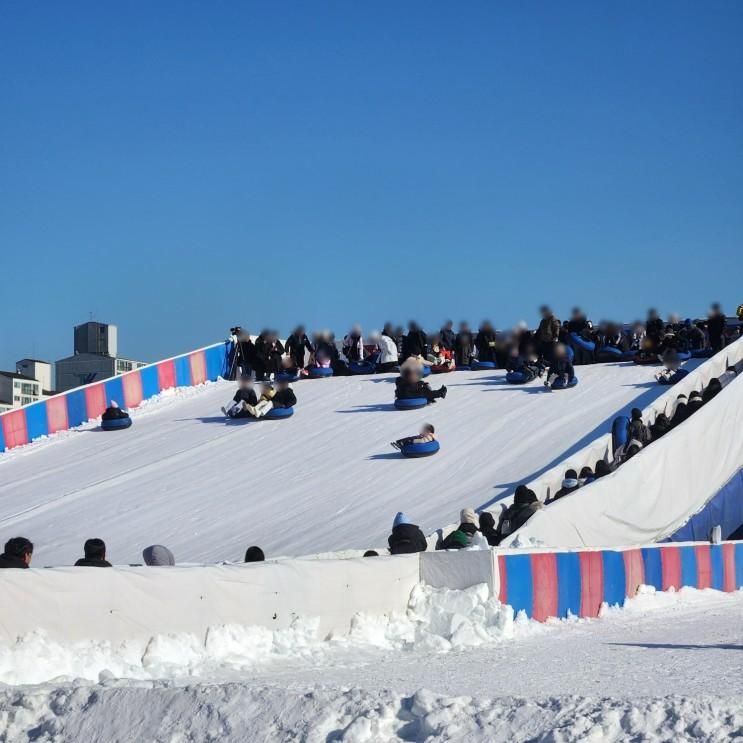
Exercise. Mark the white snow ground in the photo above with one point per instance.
(457, 667)
(323, 480)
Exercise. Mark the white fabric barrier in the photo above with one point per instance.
(658, 490)
(460, 569)
(136, 603)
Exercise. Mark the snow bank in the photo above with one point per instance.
(437, 620)
(245, 713)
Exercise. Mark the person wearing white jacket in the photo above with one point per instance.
(388, 357)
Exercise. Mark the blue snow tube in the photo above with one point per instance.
(425, 371)
(286, 377)
(516, 377)
(582, 343)
(411, 403)
(484, 365)
(610, 352)
(414, 451)
(677, 376)
(619, 432)
(361, 367)
(684, 355)
(319, 372)
(559, 383)
(116, 424)
(463, 367)
(702, 353)
(278, 413)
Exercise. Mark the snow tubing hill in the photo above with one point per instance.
(559, 384)
(619, 432)
(319, 372)
(116, 424)
(416, 451)
(411, 403)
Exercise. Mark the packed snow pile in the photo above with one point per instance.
(437, 620)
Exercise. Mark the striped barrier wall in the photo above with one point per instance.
(558, 584)
(70, 409)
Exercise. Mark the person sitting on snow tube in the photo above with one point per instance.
(410, 386)
(647, 353)
(521, 370)
(114, 413)
(560, 369)
(406, 537)
(671, 372)
(244, 396)
(463, 536)
(525, 505)
(441, 359)
(426, 436)
(281, 397)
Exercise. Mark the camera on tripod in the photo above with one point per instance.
(236, 330)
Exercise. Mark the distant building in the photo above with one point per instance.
(95, 359)
(18, 389)
(41, 371)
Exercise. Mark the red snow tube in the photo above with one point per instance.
(442, 368)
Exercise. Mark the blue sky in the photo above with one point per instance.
(179, 167)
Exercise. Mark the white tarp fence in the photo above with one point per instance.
(661, 487)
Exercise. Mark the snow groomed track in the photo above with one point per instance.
(325, 480)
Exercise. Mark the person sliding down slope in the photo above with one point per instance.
(406, 537)
(518, 364)
(426, 435)
(244, 396)
(114, 412)
(409, 385)
(561, 367)
(281, 397)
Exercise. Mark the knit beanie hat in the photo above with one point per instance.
(636, 414)
(524, 496)
(158, 556)
(468, 516)
(400, 518)
(487, 521)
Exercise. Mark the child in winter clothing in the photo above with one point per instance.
(561, 367)
(440, 356)
(463, 535)
(244, 396)
(637, 429)
(426, 435)
(409, 385)
(406, 537)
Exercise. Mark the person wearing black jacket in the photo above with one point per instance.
(485, 342)
(244, 396)
(487, 528)
(414, 343)
(578, 322)
(18, 553)
(447, 335)
(548, 333)
(114, 412)
(464, 345)
(637, 429)
(525, 505)
(561, 367)
(284, 397)
(716, 327)
(246, 355)
(406, 537)
(296, 345)
(661, 426)
(271, 353)
(654, 327)
(409, 386)
(95, 555)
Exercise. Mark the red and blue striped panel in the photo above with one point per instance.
(198, 367)
(634, 572)
(95, 400)
(15, 432)
(56, 414)
(166, 374)
(132, 385)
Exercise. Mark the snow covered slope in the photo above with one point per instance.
(326, 479)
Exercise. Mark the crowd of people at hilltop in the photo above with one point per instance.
(269, 362)
(266, 357)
